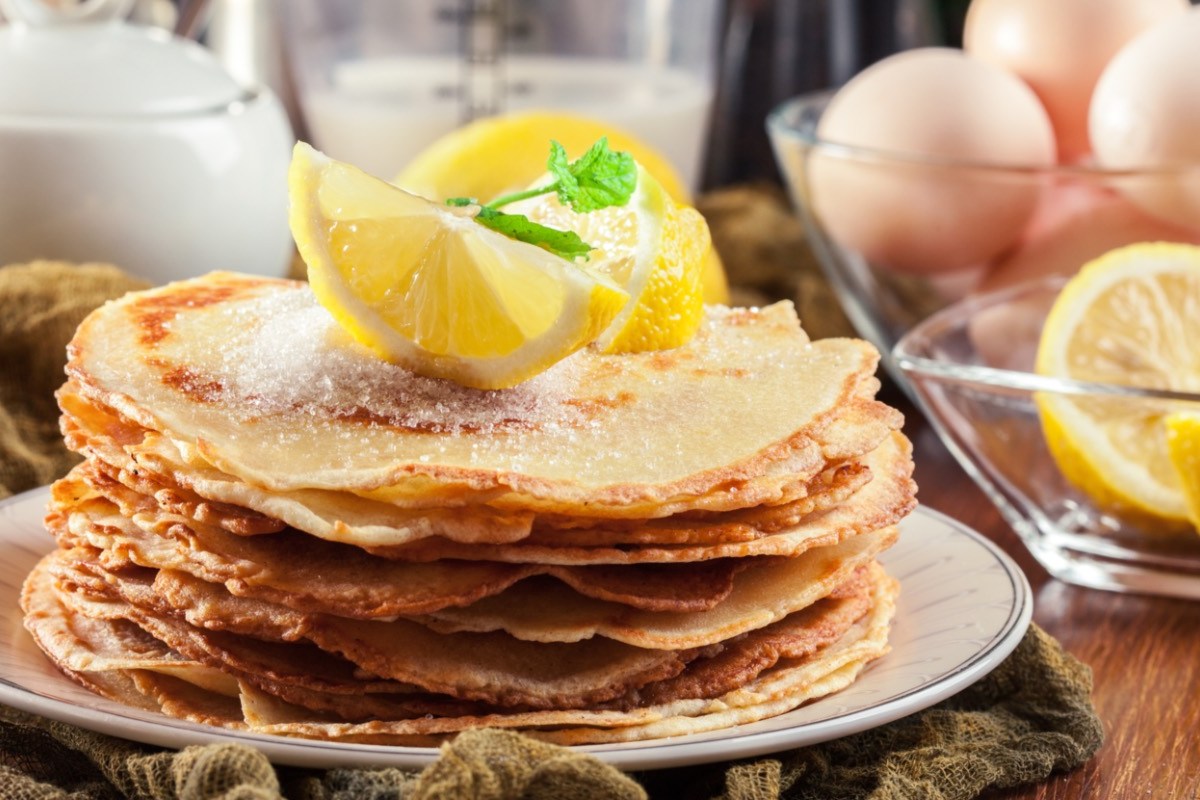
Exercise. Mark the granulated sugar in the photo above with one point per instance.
(288, 355)
(740, 330)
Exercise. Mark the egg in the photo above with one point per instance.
(1075, 223)
(1060, 47)
(905, 202)
(1146, 113)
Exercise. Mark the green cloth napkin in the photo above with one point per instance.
(1031, 716)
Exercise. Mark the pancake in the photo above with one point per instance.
(787, 685)
(763, 593)
(85, 633)
(760, 588)
(798, 638)
(302, 574)
(310, 575)
(884, 501)
(108, 646)
(216, 363)
(150, 465)
(101, 433)
(487, 667)
(184, 700)
(831, 488)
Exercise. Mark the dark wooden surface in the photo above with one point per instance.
(1144, 653)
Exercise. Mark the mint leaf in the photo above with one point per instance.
(565, 244)
(598, 179)
(565, 183)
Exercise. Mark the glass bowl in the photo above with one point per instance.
(901, 236)
(970, 367)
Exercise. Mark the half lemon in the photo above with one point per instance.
(1132, 318)
(496, 155)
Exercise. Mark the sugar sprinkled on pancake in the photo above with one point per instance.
(638, 429)
(285, 355)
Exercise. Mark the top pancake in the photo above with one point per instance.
(264, 384)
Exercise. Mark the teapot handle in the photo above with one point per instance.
(40, 13)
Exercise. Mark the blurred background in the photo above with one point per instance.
(753, 53)
(772, 50)
(378, 82)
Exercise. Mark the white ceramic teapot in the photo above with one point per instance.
(124, 144)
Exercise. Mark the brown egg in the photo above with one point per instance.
(1146, 116)
(907, 202)
(1060, 47)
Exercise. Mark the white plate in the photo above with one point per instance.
(964, 605)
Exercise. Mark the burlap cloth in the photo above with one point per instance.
(1029, 717)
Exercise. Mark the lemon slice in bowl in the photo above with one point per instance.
(1128, 318)
(652, 248)
(427, 287)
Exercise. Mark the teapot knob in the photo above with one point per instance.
(40, 13)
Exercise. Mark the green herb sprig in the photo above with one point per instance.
(598, 179)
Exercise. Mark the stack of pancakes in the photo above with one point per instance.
(273, 530)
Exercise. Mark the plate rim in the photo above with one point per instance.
(644, 755)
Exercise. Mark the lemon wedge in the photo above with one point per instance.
(425, 286)
(496, 155)
(1130, 317)
(652, 248)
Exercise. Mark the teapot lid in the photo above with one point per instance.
(84, 60)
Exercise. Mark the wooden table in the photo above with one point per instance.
(1144, 653)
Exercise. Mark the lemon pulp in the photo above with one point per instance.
(652, 248)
